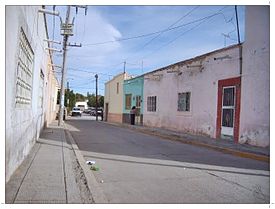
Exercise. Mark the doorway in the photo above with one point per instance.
(106, 111)
(228, 109)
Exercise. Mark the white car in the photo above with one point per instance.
(76, 111)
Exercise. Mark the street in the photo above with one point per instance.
(139, 168)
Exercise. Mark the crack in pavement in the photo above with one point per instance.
(256, 192)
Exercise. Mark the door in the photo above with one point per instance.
(106, 111)
(228, 111)
(228, 108)
(138, 102)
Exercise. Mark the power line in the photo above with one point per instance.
(169, 27)
(152, 33)
(74, 69)
(158, 35)
(203, 20)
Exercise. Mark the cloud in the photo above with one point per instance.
(94, 28)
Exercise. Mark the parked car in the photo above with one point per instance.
(76, 111)
(93, 112)
(87, 111)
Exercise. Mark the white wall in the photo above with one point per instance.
(23, 125)
(203, 86)
(255, 104)
(82, 103)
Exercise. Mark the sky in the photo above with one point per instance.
(144, 37)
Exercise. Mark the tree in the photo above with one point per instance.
(91, 100)
(79, 97)
(101, 101)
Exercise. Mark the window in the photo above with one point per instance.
(128, 98)
(184, 101)
(41, 87)
(138, 101)
(24, 72)
(152, 104)
(117, 88)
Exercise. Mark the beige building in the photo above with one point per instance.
(113, 98)
(52, 89)
(31, 86)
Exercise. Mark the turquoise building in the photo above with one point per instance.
(133, 96)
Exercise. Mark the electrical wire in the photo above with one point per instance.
(152, 33)
(202, 21)
(158, 35)
(74, 69)
(192, 10)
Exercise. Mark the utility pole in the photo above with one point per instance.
(68, 93)
(63, 79)
(96, 104)
(124, 66)
(239, 41)
(66, 31)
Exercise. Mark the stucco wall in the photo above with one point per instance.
(255, 105)
(202, 82)
(23, 125)
(52, 89)
(133, 86)
(114, 99)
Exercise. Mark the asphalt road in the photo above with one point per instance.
(139, 168)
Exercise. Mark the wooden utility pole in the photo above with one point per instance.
(239, 42)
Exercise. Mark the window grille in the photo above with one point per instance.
(24, 72)
(151, 104)
(184, 101)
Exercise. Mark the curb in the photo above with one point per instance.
(249, 155)
(94, 187)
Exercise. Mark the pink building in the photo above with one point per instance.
(213, 94)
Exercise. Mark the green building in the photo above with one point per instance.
(133, 96)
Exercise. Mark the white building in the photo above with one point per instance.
(255, 104)
(30, 85)
(184, 96)
(83, 105)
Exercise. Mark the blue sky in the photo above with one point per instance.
(195, 30)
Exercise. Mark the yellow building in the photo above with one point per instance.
(113, 98)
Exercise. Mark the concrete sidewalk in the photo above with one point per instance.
(50, 173)
(225, 146)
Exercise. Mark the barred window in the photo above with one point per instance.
(23, 95)
(128, 99)
(152, 104)
(184, 101)
(41, 88)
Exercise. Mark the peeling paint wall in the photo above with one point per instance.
(255, 104)
(200, 77)
(23, 124)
